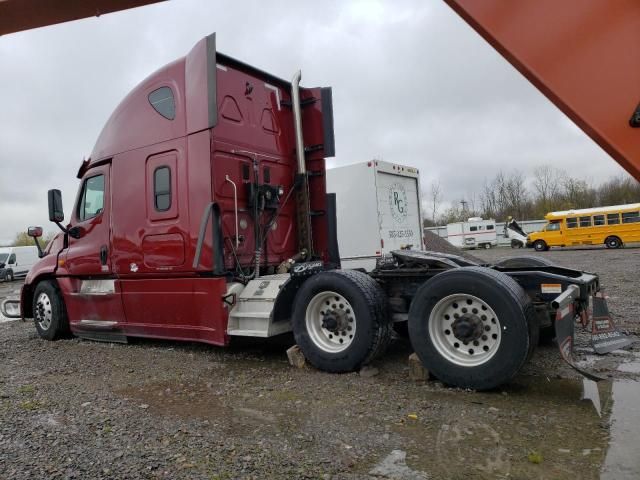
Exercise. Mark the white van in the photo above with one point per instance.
(474, 233)
(16, 261)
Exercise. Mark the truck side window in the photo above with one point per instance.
(162, 188)
(92, 199)
(585, 221)
(572, 222)
(631, 217)
(12, 259)
(473, 229)
(598, 220)
(163, 102)
(489, 227)
(613, 218)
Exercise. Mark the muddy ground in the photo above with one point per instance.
(152, 409)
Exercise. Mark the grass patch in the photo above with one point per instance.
(26, 389)
(30, 405)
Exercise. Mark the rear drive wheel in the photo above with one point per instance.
(49, 311)
(487, 246)
(471, 327)
(613, 242)
(540, 246)
(341, 321)
(8, 276)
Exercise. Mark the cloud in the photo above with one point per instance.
(412, 84)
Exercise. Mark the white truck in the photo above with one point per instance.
(378, 210)
(474, 233)
(514, 232)
(16, 261)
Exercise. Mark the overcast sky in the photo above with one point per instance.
(412, 84)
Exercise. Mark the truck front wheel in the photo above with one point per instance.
(471, 327)
(49, 311)
(340, 320)
(540, 246)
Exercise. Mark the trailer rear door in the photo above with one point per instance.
(398, 211)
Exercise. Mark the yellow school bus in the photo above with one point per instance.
(613, 226)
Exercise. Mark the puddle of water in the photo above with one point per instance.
(590, 392)
(394, 466)
(623, 457)
(629, 367)
(537, 427)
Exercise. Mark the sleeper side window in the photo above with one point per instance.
(163, 102)
(92, 199)
(162, 188)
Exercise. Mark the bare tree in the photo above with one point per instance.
(436, 196)
(547, 181)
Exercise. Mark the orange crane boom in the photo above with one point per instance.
(18, 15)
(584, 55)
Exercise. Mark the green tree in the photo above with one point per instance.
(22, 240)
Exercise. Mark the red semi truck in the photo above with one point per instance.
(202, 214)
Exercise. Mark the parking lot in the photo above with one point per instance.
(157, 409)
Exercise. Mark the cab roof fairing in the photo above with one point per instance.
(134, 123)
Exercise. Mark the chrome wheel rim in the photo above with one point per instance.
(465, 330)
(43, 311)
(330, 322)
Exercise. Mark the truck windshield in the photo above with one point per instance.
(3, 257)
(553, 226)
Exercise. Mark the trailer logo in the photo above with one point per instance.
(398, 202)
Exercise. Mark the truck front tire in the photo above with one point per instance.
(540, 246)
(49, 311)
(471, 327)
(8, 276)
(341, 321)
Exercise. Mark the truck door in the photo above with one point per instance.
(399, 214)
(553, 234)
(89, 253)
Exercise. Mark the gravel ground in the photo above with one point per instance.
(151, 409)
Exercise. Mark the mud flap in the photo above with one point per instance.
(564, 326)
(605, 336)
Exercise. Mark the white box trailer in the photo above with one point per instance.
(378, 210)
(474, 233)
(16, 261)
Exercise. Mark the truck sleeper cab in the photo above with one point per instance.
(202, 214)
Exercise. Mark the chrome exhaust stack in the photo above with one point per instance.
(305, 235)
(297, 119)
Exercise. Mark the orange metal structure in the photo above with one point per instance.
(584, 55)
(18, 15)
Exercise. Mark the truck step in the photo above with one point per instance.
(251, 315)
